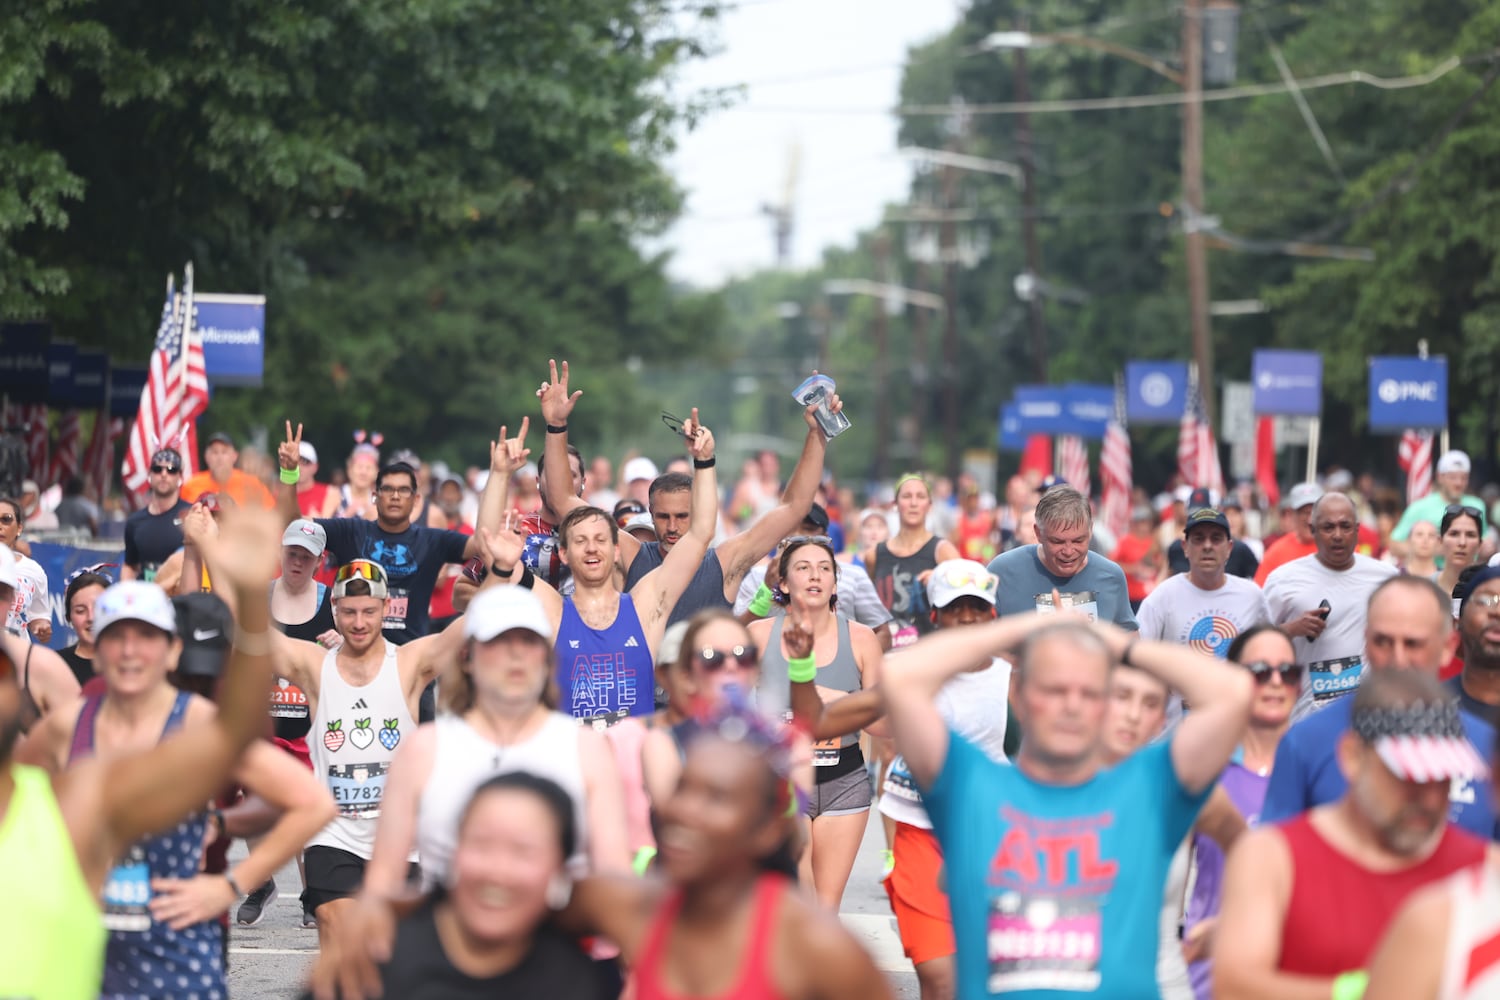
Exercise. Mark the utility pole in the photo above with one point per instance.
(1028, 216)
(921, 370)
(1192, 198)
(949, 241)
(881, 249)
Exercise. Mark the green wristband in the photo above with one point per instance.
(802, 671)
(290, 476)
(643, 858)
(760, 604)
(1350, 985)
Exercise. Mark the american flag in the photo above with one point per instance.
(1197, 449)
(1415, 459)
(34, 415)
(1117, 477)
(65, 453)
(176, 391)
(99, 457)
(1073, 463)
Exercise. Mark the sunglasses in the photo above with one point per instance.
(1291, 673)
(714, 660)
(360, 569)
(674, 423)
(806, 540)
(170, 470)
(966, 576)
(1455, 509)
(8, 519)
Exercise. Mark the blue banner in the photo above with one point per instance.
(1011, 438)
(1090, 408)
(23, 361)
(90, 380)
(234, 337)
(1043, 409)
(60, 359)
(1287, 383)
(1408, 392)
(126, 383)
(60, 562)
(1155, 391)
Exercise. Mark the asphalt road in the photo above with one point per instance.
(270, 960)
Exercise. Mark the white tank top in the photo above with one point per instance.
(1171, 968)
(973, 705)
(355, 733)
(464, 760)
(1471, 964)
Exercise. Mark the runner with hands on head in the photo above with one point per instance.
(60, 837)
(673, 506)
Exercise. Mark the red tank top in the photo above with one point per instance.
(1339, 908)
(754, 981)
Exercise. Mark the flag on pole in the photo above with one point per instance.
(99, 456)
(1197, 449)
(65, 454)
(1073, 462)
(1415, 459)
(1265, 460)
(1115, 472)
(35, 417)
(176, 391)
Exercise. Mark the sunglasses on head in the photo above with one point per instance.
(1291, 673)
(360, 569)
(713, 660)
(806, 540)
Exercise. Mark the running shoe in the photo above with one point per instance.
(254, 907)
(309, 921)
(888, 864)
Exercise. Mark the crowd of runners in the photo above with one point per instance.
(535, 729)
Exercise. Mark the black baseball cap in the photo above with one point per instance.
(1205, 516)
(816, 515)
(1199, 498)
(207, 629)
(220, 437)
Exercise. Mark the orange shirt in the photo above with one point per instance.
(243, 488)
(1284, 550)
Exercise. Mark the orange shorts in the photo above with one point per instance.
(921, 908)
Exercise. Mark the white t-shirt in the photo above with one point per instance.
(1333, 662)
(1207, 620)
(30, 603)
(973, 705)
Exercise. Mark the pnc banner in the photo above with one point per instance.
(126, 383)
(234, 337)
(23, 361)
(1287, 383)
(1408, 392)
(60, 359)
(1090, 407)
(1011, 438)
(90, 380)
(1155, 391)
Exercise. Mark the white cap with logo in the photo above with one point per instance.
(1453, 461)
(640, 468)
(957, 578)
(306, 534)
(134, 600)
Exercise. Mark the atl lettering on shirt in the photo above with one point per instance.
(706, 590)
(1067, 880)
(145, 958)
(897, 581)
(355, 733)
(604, 672)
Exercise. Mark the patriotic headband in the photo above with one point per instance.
(1423, 741)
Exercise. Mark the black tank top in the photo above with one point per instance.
(289, 713)
(903, 595)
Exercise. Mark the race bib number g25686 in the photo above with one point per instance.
(1331, 678)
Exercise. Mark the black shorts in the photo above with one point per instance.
(333, 873)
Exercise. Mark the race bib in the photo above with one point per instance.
(905, 635)
(288, 701)
(127, 893)
(1044, 943)
(599, 723)
(1083, 602)
(826, 753)
(395, 611)
(357, 789)
(1328, 679)
(899, 782)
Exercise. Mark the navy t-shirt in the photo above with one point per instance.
(412, 560)
(151, 538)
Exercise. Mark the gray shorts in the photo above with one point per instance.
(842, 796)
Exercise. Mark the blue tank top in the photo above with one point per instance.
(604, 674)
(705, 590)
(144, 958)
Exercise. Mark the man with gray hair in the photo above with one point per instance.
(1320, 600)
(1061, 561)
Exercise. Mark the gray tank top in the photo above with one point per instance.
(706, 590)
(841, 674)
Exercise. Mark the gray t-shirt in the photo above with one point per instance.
(1098, 590)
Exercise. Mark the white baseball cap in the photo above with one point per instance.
(497, 610)
(1303, 495)
(10, 568)
(639, 521)
(306, 534)
(307, 451)
(1453, 461)
(957, 578)
(134, 600)
(640, 468)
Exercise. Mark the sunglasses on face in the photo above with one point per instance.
(1291, 673)
(714, 660)
(7, 519)
(360, 569)
(164, 470)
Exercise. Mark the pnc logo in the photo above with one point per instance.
(1157, 389)
(1397, 391)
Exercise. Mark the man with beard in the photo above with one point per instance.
(1478, 687)
(1305, 901)
(154, 532)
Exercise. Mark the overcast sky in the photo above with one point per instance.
(793, 54)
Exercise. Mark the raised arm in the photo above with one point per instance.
(288, 457)
(657, 592)
(501, 551)
(147, 792)
(1219, 691)
(506, 456)
(557, 472)
(738, 554)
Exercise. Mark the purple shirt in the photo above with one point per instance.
(1247, 790)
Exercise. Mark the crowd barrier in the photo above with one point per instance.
(61, 560)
